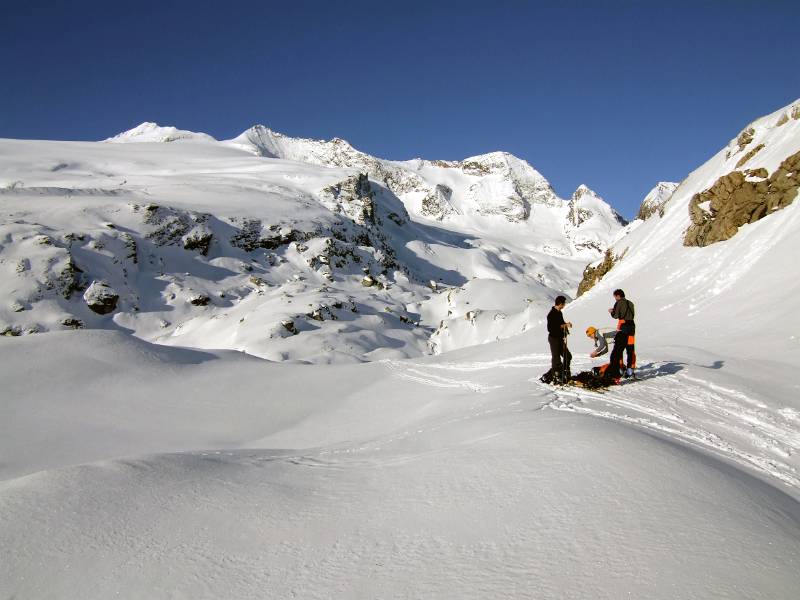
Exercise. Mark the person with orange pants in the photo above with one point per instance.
(625, 339)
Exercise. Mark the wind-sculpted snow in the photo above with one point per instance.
(205, 475)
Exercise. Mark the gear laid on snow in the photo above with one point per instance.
(596, 379)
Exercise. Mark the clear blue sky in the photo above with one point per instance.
(617, 94)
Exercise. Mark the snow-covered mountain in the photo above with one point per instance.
(722, 243)
(456, 475)
(655, 199)
(286, 248)
(153, 132)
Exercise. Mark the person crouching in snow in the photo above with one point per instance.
(600, 340)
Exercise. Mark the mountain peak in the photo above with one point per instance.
(655, 199)
(583, 190)
(263, 141)
(153, 132)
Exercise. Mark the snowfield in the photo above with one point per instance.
(146, 471)
(419, 458)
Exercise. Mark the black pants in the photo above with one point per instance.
(557, 350)
(622, 342)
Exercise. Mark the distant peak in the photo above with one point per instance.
(497, 156)
(153, 132)
(259, 127)
(584, 192)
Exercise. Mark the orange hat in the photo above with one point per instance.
(590, 331)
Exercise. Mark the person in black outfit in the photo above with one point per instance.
(557, 330)
(623, 311)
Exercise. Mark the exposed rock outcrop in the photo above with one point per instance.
(72, 323)
(67, 279)
(101, 298)
(199, 238)
(199, 300)
(288, 325)
(437, 203)
(130, 247)
(745, 137)
(593, 274)
(253, 235)
(577, 214)
(353, 197)
(738, 198)
(656, 199)
(750, 154)
(173, 227)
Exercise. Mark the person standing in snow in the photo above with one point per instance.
(557, 331)
(624, 339)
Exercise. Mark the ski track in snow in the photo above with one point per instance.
(683, 407)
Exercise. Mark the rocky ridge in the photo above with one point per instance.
(494, 184)
(752, 179)
(291, 250)
(655, 200)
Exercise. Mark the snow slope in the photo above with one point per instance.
(730, 307)
(138, 470)
(262, 243)
(732, 297)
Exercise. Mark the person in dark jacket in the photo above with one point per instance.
(624, 340)
(557, 330)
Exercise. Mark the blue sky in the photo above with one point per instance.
(616, 94)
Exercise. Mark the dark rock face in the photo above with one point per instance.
(199, 300)
(68, 281)
(745, 137)
(591, 275)
(172, 227)
(750, 154)
(437, 203)
(198, 239)
(288, 325)
(656, 201)
(354, 197)
(101, 298)
(738, 198)
(253, 235)
(130, 248)
(72, 323)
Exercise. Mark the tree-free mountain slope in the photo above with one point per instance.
(285, 248)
